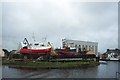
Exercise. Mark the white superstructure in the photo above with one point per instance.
(34, 45)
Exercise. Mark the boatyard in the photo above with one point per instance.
(60, 39)
(38, 54)
(30, 55)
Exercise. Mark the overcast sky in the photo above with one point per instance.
(86, 21)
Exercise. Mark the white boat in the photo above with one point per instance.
(34, 49)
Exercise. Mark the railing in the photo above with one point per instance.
(118, 75)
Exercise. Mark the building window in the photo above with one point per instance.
(76, 46)
(93, 48)
(82, 47)
(72, 45)
(86, 47)
(89, 47)
(96, 48)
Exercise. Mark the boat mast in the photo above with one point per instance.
(44, 40)
(33, 37)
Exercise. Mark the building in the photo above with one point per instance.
(113, 54)
(116, 51)
(2, 54)
(80, 45)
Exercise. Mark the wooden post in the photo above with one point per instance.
(25, 59)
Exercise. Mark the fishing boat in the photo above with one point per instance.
(66, 51)
(34, 49)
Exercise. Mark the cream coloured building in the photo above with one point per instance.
(81, 45)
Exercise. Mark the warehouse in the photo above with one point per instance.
(80, 45)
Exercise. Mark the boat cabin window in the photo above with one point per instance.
(36, 44)
(42, 45)
(30, 44)
(25, 47)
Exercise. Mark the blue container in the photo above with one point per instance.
(57, 49)
(72, 50)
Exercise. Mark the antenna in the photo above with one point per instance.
(44, 39)
(33, 36)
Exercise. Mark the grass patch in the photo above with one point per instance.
(49, 65)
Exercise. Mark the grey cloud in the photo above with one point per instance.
(92, 21)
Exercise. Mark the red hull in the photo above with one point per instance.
(66, 53)
(34, 51)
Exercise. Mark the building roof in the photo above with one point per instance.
(79, 41)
